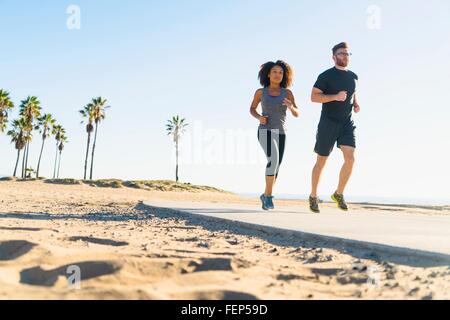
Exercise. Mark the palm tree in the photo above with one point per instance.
(5, 105)
(30, 109)
(18, 138)
(28, 137)
(99, 105)
(176, 127)
(62, 141)
(45, 123)
(29, 172)
(58, 131)
(88, 113)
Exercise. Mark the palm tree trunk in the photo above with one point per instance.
(59, 164)
(26, 162)
(176, 171)
(93, 150)
(56, 159)
(23, 161)
(40, 156)
(17, 162)
(87, 155)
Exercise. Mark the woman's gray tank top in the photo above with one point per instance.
(274, 108)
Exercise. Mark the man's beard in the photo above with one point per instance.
(342, 63)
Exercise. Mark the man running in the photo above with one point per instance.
(336, 90)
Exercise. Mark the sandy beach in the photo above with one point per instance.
(127, 251)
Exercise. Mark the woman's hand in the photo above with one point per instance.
(288, 103)
(263, 120)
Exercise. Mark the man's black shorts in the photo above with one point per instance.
(330, 132)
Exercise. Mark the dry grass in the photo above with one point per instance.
(151, 185)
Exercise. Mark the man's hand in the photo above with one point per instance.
(341, 96)
(356, 108)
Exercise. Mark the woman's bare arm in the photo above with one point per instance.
(290, 103)
(254, 106)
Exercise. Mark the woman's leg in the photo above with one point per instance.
(270, 182)
(269, 143)
(281, 148)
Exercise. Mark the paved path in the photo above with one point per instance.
(394, 231)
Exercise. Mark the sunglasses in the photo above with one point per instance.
(349, 54)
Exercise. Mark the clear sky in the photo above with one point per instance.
(200, 59)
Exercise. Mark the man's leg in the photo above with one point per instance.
(347, 168)
(316, 174)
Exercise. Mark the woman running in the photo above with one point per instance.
(275, 99)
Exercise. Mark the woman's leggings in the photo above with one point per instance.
(273, 143)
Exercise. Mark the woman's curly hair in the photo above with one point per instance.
(288, 75)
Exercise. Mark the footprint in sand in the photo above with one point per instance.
(211, 264)
(20, 229)
(327, 271)
(209, 252)
(47, 278)
(215, 295)
(289, 277)
(343, 276)
(105, 242)
(217, 264)
(10, 250)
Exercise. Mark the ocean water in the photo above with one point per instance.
(362, 199)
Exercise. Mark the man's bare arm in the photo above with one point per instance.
(318, 96)
(356, 106)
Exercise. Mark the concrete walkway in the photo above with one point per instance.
(392, 232)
